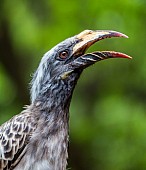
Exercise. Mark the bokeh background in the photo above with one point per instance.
(108, 109)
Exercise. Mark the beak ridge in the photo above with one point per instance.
(89, 37)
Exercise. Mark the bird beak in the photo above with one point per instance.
(87, 38)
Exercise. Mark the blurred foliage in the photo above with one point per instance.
(108, 118)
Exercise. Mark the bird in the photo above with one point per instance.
(37, 138)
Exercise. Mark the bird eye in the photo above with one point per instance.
(63, 54)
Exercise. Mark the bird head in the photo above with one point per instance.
(65, 62)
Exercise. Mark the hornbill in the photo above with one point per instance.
(37, 138)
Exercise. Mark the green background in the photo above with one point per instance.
(108, 117)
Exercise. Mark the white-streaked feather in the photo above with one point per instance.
(13, 137)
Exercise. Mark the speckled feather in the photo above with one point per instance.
(14, 136)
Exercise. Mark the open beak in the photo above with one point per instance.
(85, 40)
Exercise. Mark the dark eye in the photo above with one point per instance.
(63, 55)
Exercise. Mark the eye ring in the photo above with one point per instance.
(63, 55)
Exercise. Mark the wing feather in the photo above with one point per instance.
(14, 136)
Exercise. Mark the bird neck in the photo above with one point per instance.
(51, 97)
(53, 104)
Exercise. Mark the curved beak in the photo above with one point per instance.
(87, 38)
